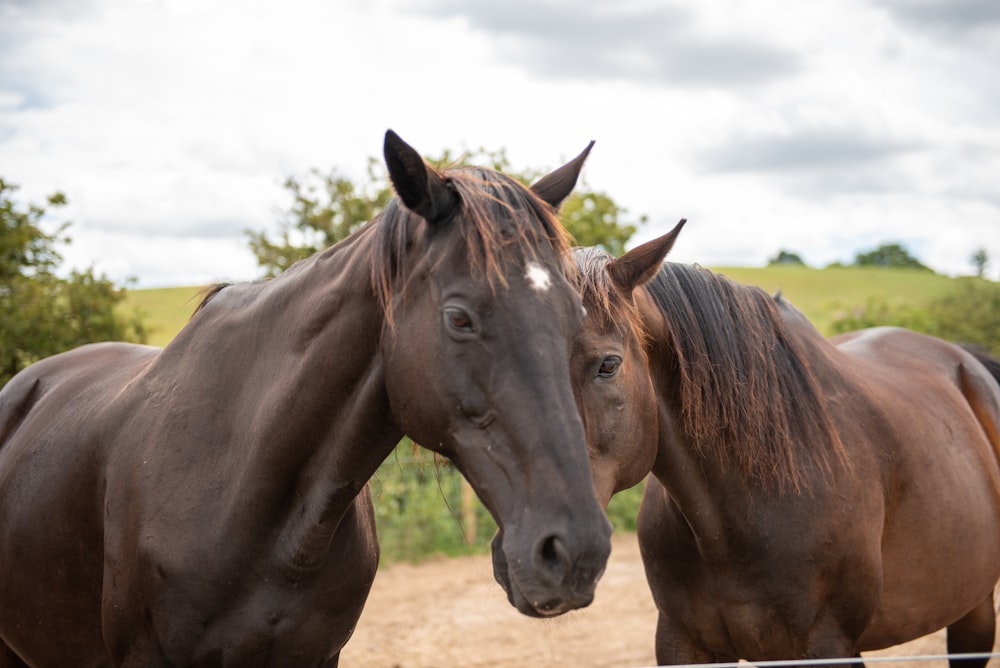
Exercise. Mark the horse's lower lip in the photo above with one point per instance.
(556, 607)
(552, 607)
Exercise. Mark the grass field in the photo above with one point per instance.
(164, 310)
(821, 294)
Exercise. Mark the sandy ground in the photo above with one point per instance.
(450, 612)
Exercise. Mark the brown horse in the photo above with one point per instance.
(809, 498)
(206, 504)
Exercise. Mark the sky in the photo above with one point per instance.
(824, 128)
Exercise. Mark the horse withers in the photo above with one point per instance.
(809, 498)
(206, 504)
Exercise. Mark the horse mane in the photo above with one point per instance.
(602, 299)
(500, 219)
(206, 294)
(746, 390)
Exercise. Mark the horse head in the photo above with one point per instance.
(481, 319)
(611, 376)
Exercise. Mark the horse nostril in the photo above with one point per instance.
(554, 556)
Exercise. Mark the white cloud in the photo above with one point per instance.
(824, 127)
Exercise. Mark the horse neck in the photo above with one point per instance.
(700, 483)
(701, 477)
(679, 465)
(289, 377)
(689, 474)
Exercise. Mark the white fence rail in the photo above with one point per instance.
(869, 660)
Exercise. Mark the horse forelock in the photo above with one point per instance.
(501, 221)
(601, 298)
(746, 389)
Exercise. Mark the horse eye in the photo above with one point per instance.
(458, 320)
(609, 367)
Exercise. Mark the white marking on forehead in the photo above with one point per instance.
(538, 277)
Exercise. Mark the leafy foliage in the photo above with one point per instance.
(41, 313)
(786, 258)
(325, 209)
(328, 207)
(980, 260)
(594, 219)
(889, 255)
(969, 313)
(423, 508)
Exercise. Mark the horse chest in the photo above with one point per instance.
(241, 610)
(755, 590)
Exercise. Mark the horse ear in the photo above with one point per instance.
(642, 262)
(420, 187)
(556, 186)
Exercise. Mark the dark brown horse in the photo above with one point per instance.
(206, 504)
(809, 498)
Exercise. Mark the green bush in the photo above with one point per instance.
(968, 313)
(43, 312)
(420, 511)
(419, 508)
(624, 507)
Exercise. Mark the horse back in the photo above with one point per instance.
(908, 372)
(64, 390)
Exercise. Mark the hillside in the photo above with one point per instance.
(820, 293)
(824, 294)
(164, 310)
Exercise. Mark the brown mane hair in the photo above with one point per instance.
(205, 295)
(498, 214)
(745, 391)
(600, 296)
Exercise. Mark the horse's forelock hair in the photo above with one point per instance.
(745, 390)
(602, 299)
(525, 221)
(500, 219)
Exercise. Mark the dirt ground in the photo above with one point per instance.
(450, 612)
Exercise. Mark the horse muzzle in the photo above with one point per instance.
(550, 578)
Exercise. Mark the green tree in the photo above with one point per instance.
(41, 313)
(594, 219)
(325, 209)
(889, 255)
(328, 207)
(981, 261)
(786, 258)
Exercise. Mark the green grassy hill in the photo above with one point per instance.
(824, 294)
(164, 310)
(821, 294)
